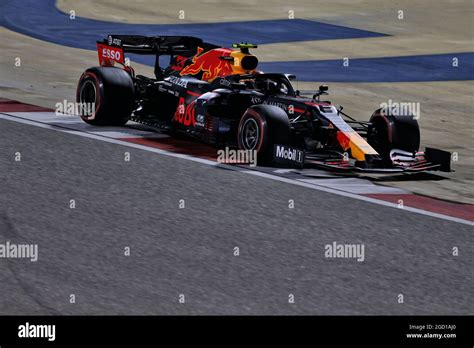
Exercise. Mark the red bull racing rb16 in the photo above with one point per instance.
(218, 96)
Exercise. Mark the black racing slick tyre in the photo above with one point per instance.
(260, 128)
(387, 132)
(110, 91)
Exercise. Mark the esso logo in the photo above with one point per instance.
(111, 54)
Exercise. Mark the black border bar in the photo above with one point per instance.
(271, 330)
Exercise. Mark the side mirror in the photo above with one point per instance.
(323, 88)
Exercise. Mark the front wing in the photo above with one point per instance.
(401, 161)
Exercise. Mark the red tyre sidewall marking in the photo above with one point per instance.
(389, 125)
(97, 93)
(261, 124)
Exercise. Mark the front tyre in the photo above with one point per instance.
(388, 132)
(106, 96)
(260, 128)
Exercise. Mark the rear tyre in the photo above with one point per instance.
(112, 92)
(260, 128)
(388, 132)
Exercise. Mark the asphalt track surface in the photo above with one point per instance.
(190, 251)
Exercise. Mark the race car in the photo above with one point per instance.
(216, 95)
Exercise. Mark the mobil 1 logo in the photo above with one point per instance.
(288, 156)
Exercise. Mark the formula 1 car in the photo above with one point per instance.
(217, 96)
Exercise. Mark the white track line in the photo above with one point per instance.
(5, 116)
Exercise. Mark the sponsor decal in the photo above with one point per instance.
(256, 100)
(288, 155)
(200, 120)
(274, 103)
(114, 41)
(225, 82)
(209, 64)
(109, 54)
(185, 114)
(178, 81)
(288, 108)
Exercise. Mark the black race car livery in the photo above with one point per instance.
(216, 95)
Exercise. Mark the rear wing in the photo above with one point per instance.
(162, 45)
(111, 50)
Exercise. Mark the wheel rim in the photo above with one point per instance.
(250, 134)
(87, 96)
